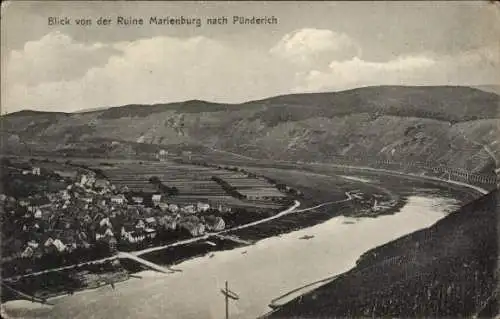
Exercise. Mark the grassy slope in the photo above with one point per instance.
(449, 269)
(444, 124)
(492, 88)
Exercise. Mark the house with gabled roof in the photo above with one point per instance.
(138, 200)
(151, 222)
(104, 233)
(167, 222)
(86, 199)
(59, 245)
(215, 223)
(112, 243)
(48, 242)
(150, 233)
(87, 179)
(28, 252)
(87, 219)
(105, 222)
(194, 228)
(82, 240)
(36, 170)
(101, 183)
(98, 217)
(109, 233)
(127, 229)
(173, 208)
(163, 206)
(118, 199)
(156, 199)
(140, 224)
(33, 244)
(189, 209)
(202, 207)
(38, 214)
(132, 235)
(23, 203)
(64, 195)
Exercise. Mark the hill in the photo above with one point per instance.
(454, 126)
(447, 270)
(493, 88)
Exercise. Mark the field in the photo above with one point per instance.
(193, 182)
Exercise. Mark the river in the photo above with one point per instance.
(257, 273)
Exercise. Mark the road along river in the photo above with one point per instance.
(257, 273)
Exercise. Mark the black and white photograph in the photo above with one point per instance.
(249, 159)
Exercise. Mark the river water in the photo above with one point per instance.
(257, 273)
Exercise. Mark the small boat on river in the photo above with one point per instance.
(306, 237)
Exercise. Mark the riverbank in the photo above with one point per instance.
(50, 284)
(278, 225)
(446, 270)
(258, 273)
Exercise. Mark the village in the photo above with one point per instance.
(83, 211)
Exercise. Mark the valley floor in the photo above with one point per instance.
(319, 189)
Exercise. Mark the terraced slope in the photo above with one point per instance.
(456, 126)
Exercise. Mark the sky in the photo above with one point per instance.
(315, 46)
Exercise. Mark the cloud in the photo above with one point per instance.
(480, 66)
(308, 47)
(57, 73)
(172, 69)
(159, 69)
(55, 57)
(356, 72)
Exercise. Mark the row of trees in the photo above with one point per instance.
(55, 259)
(230, 190)
(233, 192)
(170, 191)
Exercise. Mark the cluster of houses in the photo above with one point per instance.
(91, 210)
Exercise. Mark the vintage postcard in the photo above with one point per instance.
(211, 159)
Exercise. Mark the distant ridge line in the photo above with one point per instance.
(482, 88)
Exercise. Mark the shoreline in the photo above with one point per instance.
(148, 251)
(413, 279)
(288, 211)
(150, 273)
(326, 233)
(389, 211)
(478, 189)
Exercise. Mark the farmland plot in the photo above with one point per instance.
(193, 182)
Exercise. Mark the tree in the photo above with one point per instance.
(154, 180)
(6, 162)
(99, 173)
(281, 187)
(173, 191)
